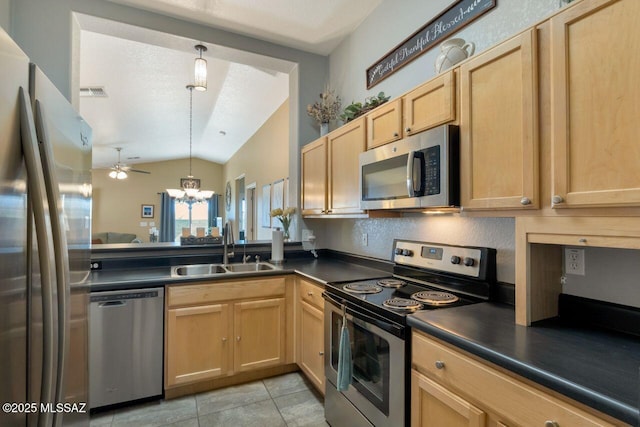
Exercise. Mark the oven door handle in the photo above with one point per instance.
(392, 328)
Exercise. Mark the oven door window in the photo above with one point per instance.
(385, 179)
(370, 355)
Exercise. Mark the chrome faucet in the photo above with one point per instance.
(227, 239)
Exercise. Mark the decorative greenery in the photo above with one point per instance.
(327, 108)
(356, 109)
(285, 218)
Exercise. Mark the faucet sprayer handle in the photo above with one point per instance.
(257, 258)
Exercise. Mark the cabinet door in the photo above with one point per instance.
(434, 406)
(384, 124)
(313, 169)
(344, 146)
(430, 104)
(595, 83)
(259, 329)
(197, 346)
(311, 344)
(499, 127)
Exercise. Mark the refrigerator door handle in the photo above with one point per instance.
(40, 207)
(63, 276)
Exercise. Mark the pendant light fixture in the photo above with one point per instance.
(190, 192)
(200, 70)
(117, 171)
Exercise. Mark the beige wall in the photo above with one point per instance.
(262, 160)
(117, 204)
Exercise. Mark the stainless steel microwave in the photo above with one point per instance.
(421, 171)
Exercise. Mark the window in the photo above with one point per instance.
(199, 217)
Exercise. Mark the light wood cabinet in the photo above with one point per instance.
(313, 169)
(430, 104)
(499, 127)
(595, 86)
(198, 346)
(219, 329)
(449, 384)
(344, 145)
(330, 172)
(384, 124)
(310, 332)
(434, 406)
(259, 329)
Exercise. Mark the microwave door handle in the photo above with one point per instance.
(412, 191)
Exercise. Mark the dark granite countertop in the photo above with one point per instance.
(323, 270)
(595, 367)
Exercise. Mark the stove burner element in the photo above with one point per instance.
(435, 297)
(402, 304)
(391, 283)
(362, 288)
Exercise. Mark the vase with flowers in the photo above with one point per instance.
(285, 216)
(325, 110)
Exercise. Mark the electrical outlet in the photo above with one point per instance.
(574, 261)
(365, 239)
(305, 234)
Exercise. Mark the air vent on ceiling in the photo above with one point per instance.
(94, 92)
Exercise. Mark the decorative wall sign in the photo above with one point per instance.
(456, 17)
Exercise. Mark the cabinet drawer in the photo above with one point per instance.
(518, 403)
(311, 293)
(204, 293)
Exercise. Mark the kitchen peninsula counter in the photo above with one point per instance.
(597, 368)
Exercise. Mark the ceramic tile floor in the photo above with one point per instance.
(286, 400)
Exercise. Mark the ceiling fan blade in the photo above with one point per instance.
(139, 171)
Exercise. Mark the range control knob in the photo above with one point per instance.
(407, 252)
(398, 251)
(468, 261)
(455, 259)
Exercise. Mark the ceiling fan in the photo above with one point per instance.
(119, 170)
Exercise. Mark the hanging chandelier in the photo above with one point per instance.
(190, 192)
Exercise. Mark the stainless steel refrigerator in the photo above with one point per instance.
(45, 229)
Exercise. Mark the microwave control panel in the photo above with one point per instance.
(432, 171)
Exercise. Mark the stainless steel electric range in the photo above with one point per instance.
(426, 276)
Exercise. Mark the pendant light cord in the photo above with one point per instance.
(190, 127)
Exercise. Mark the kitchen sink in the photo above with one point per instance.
(242, 268)
(215, 269)
(198, 270)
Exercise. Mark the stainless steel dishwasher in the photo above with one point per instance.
(125, 345)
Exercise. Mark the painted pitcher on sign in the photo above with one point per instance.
(453, 51)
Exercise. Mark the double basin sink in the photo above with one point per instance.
(219, 269)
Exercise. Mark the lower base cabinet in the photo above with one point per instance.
(218, 329)
(449, 388)
(310, 332)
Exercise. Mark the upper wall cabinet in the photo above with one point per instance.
(329, 170)
(384, 124)
(313, 167)
(595, 109)
(430, 104)
(499, 127)
(344, 145)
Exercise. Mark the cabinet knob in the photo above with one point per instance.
(224, 339)
(525, 201)
(238, 338)
(551, 424)
(310, 293)
(557, 199)
(395, 134)
(439, 364)
(407, 130)
(321, 353)
(582, 240)
(329, 210)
